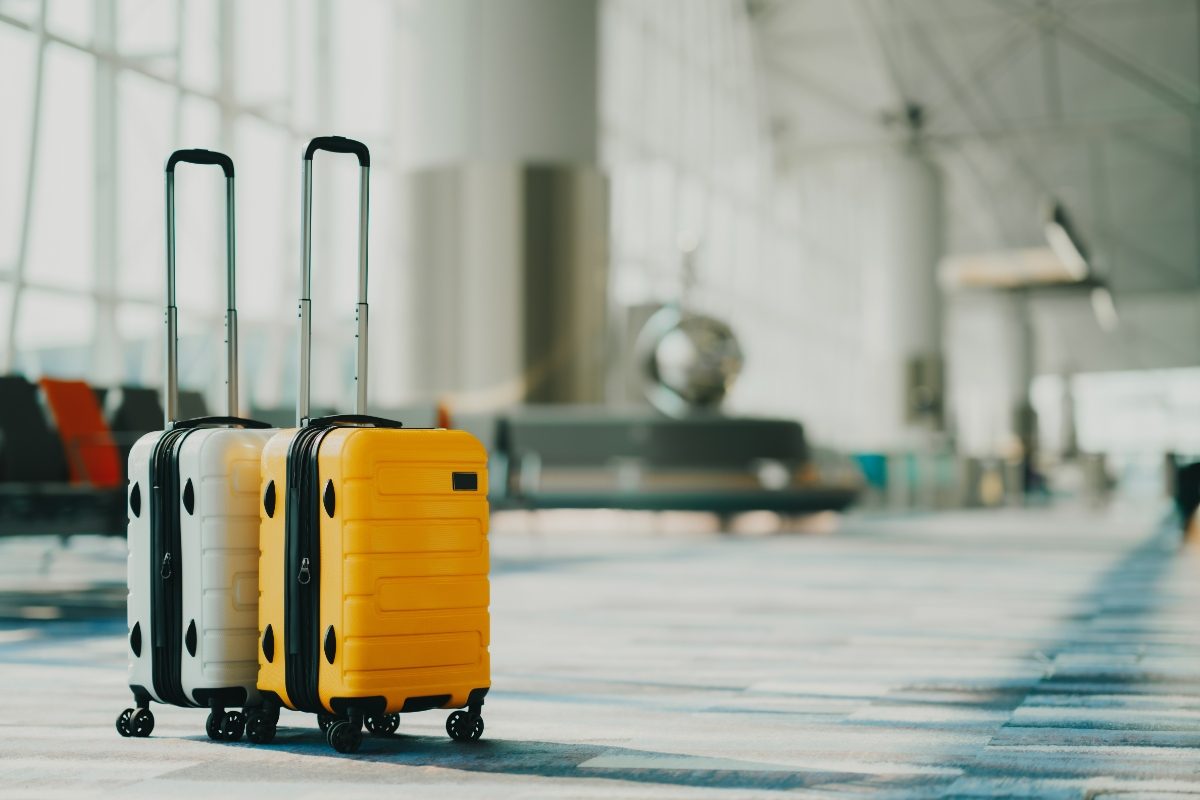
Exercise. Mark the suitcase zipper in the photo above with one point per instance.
(302, 571)
(166, 601)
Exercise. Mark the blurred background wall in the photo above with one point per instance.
(769, 160)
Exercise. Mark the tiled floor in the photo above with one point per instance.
(1020, 653)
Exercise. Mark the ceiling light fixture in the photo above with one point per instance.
(1104, 308)
(1065, 242)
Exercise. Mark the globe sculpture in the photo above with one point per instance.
(689, 361)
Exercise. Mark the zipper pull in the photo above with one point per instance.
(304, 576)
(164, 572)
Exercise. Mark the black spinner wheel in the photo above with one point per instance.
(123, 722)
(464, 727)
(325, 720)
(384, 725)
(142, 723)
(233, 724)
(260, 727)
(212, 725)
(344, 736)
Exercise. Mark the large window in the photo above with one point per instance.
(96, 96)
(782, 248)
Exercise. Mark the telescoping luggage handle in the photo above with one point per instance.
(335, 144)
(231, 383)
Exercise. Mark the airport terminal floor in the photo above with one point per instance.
(1030, 653)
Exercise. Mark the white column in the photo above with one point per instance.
(1022, 367)
(1022, 364)
(903, 304)
(503, 275)
(511, 81)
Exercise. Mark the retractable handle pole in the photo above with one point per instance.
(231, 350)
(333, 144)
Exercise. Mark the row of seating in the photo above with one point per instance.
(597, 457)
(63, 449)
(59, 430)
(62, 458)
(1184, 481)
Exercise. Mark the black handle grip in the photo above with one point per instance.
(339, 144)
(353, 420)
(199, 156)
(212, 422)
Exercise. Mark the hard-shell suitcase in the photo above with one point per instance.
(374, 569)
(193, 536)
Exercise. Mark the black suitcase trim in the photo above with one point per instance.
(412, 704)
(166, 575)
(221, 698)
(373, 706)
(302, 569)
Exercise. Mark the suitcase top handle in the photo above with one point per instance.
(231, 380)
(339, 144)
(333, 144)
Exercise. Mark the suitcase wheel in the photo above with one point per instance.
(135, 722)
(123, 722)
(384, 725)
(260, 727)
(225, 726)
(325, 720)
(464, 727)
(344, 736)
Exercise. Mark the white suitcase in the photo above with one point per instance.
(193, 538)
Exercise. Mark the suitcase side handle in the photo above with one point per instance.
(202, 157)
(354, 420)
(227, 422)
(334, 144)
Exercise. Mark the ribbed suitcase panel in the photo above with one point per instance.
(412, 623)
(220, 542)
(272, 675)
(141, 666)
(405, 565)
(362, 571)
(397, 686)
(464, 537)
(397, 653)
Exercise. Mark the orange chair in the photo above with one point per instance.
(91, 452)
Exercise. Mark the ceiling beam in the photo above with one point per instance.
(830, 97)
(867, 21)
(795, 149)
(1185, 99)
(1051, 71)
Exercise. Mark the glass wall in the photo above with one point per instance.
(783, 250)
(98, 93)
(96, 96)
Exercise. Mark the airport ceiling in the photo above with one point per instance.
(1095, 103)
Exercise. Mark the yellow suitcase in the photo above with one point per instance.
(373, 571)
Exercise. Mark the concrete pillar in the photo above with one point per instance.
(1022, 361)
(504, 280)
(1022, 366)
(508, 82)
(1070, 433)
(904, 303)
